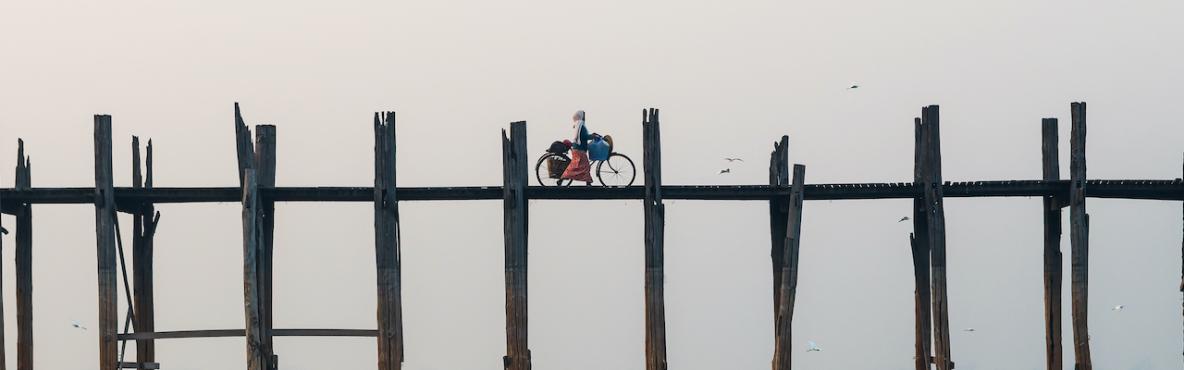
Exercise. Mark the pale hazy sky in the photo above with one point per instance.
(730, 78)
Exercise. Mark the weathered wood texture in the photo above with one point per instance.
(4, 231)
(515, 223)
(1181, 259)
(783, 345)
(1052, 249)
(514, 178)
(655, 230)
(1079, 239)
(778, 215)
(104, 200)
(227, 333)
(919, 245)
(265, 174)
(24, 266)
(387, 247)
(257, 358)
(146, 219)
(936, 228)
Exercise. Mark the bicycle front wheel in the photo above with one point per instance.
(616, 170)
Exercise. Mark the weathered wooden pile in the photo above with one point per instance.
(258, 193)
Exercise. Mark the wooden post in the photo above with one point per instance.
(1052, 249)
(387, 245)
(3, 231)
(105, 244)
(783, 346)
(257, 358)
(919, 243)
(1079, 239)
(145, 219)
(1181, 271)
(655, 220)
(514, 179)
(265, 175)
(24, 266)
(778, 216)
(935, 220)
(243, 147)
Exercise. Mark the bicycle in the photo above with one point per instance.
(615, 170)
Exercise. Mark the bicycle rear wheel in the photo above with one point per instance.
(617, 170)
(542, 170)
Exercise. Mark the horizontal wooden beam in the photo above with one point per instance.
(1125, 189)
(144, 365)
(224, 333)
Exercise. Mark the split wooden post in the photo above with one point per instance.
(146, 219)
(783, 346)
(387, 245)
(257, 358)
(1181, 265)
(778, 216)
(936, 225)
(1052, 248)
(265, 175)
(516, 217)
(1079, 239)
(105, 244)
(24, 265)
(919, 243)
(655, 220)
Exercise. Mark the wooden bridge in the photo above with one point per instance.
(257, 192)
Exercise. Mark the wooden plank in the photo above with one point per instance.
(139, 365)
(243, 147)
(145, 218)
(655, 215)
(778, 215)
(516, 218)
(1181, 265)
(104, 200)
(257, 353)
(1052, 249)
(24, 266)
(227, 333)
(1079, 239)
(265, 159)
(387, 245)
(783, 346)
(919, 243)
(1110, 189)
(935, 220)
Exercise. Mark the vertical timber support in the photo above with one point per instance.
(936, 225)
(655, 225)
(919, 243)
(24, 266)
(145, 219)
(105, 244)
(3, 231)
(514, 178)
(783, 346)
(1079, 239)
(778, 216)
(387, 245)
(1052, 248)
(265, 176)
(256, 354)
(258, 338)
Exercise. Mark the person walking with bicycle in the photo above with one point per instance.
(580, 169)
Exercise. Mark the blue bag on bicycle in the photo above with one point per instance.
(598, 149)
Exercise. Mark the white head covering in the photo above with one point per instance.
(579, 116)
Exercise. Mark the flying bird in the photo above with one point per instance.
(1118, 308)
(903, 219)
(733, 159)
(812, 347)
(78, 325)
(726, 170)
(969, 330)
(853, 87)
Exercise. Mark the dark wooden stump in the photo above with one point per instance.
(387, 245)
(1079, 239)
(655, 224)
(105, 245)
(1052, 249)
(516, 218)
(783, 346)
